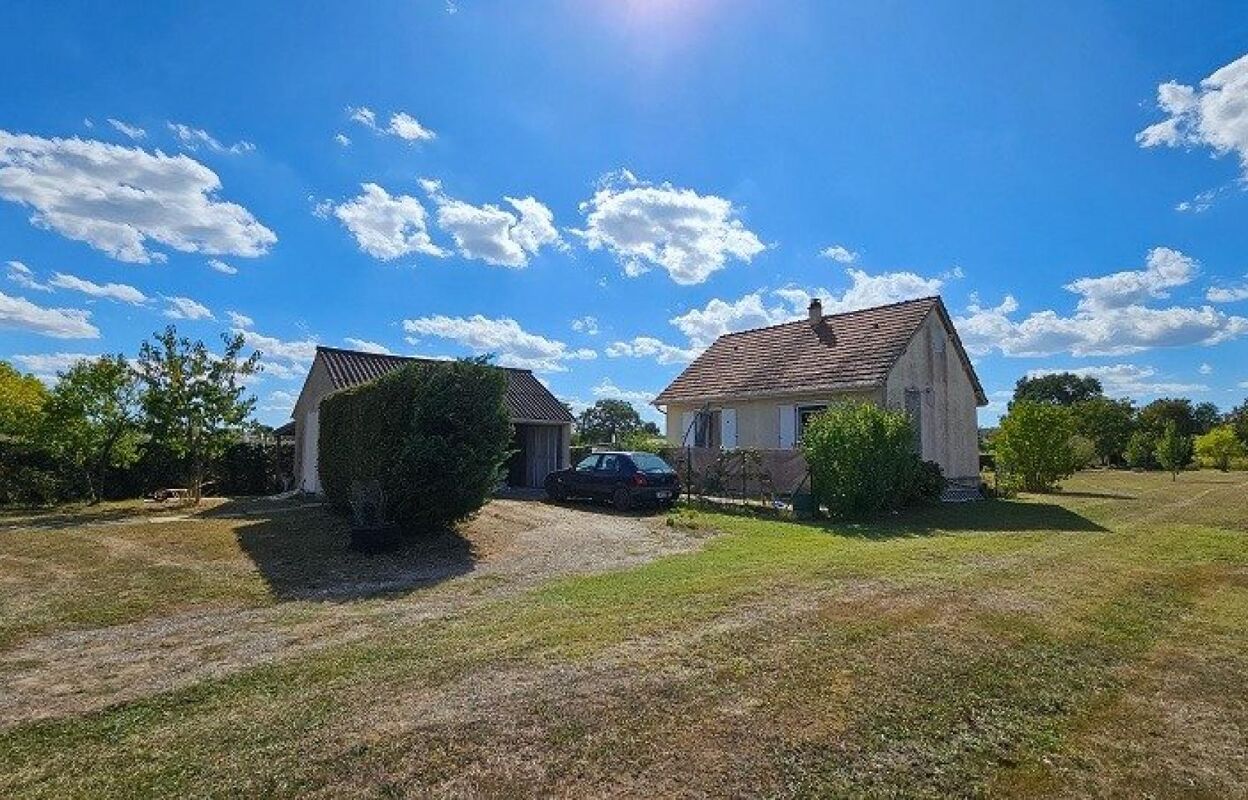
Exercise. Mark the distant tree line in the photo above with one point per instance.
(1061, 422)
(176, 415)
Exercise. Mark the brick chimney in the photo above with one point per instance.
(815, 312)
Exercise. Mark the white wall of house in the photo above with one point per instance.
(765, 423)
(931, 368)
(307, 426)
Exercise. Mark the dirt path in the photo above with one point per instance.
(516, 545)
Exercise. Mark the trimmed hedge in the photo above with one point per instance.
(433, 435)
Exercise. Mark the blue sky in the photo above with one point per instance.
(597, 189)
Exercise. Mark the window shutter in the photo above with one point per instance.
(728, 428)
(788, 427)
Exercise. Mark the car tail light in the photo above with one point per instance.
(639, 479)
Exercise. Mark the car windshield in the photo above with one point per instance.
(650, 463)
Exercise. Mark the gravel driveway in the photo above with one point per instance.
(514, 545)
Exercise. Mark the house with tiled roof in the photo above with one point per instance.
(758, 388)
(541, 425)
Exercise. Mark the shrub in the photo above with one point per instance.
(927, 483)
(1141, 449)
(1174, 450)
(1033, 446)
(1220, 447)
(434, 437)
(1082, 451)
(862, 460)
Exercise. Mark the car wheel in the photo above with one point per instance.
(623, 499)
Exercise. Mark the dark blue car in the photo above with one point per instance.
(625, 479)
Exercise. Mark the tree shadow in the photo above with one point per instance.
(1097, 495)
(988, 516)
(305, 554)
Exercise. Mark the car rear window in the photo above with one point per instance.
(650, 463)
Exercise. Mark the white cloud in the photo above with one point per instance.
(839, 253)
(368, 346)
(1232, 293)
(587, 325)
(45, 366)
(222, 267)
(342, 139)
(24, 276)
(650, 347)
(492, 234)
(279, 401)
(385, 226)
(402, 124)
(186, 308)
(705, 325)
(132, 131)
(111, 291)
(194, 138)
(644, 225)
(299, 351)
(606, 388)
(239, 320)
(18, 313)
(1127, 380)
(1109, 318)
(1164, 269)
(514, 346)
(1206, 369)
(119, 199)
(1214, 114)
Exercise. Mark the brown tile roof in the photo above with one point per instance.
(850, 351)
(526, 399)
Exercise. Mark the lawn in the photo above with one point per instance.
(1092, 642)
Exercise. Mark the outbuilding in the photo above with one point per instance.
(541, 425)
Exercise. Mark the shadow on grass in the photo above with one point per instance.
(989, 516)
(1097, 495)
(304, 554)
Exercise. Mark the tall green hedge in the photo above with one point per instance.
(434, 435)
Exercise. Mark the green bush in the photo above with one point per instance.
(862, 459)
(1141, 451)
(1033, 446)
(433, 435)
(1082, 451)
(1220, 448)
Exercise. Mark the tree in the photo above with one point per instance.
(1238, 419)
(1205, 417)
(608, 421)
(1220, 446)
(1141, 450)
(92, 421)
(193, 399)
(1174, 450)
(1056, 389)
(1108, 424)
(22, 401)
(1156, 415)
(1033, 445)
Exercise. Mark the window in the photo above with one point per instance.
(706, 429)
(804, 415)
(651, 464)
(588, 464)
(610, 463)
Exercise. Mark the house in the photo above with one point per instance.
(542, 426)
(758, 388)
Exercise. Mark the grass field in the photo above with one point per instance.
(1089, 643)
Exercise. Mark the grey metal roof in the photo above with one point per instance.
(526, 398)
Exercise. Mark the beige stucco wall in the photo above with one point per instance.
(317, 385)
(950, 422)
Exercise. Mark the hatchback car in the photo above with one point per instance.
(624, 478)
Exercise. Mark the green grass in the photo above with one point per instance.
(1090, 642)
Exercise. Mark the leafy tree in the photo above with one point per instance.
(862, 459)
(1108, 424)
(1205, 417)
(22, 401)
(1057, 389)
(1033, 445)
(1156, 415)
(1238, 419)
(1141, 450)
(92, 420)
(193, 398)
(609, 421)
(1174, 450)
(1220, 446)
